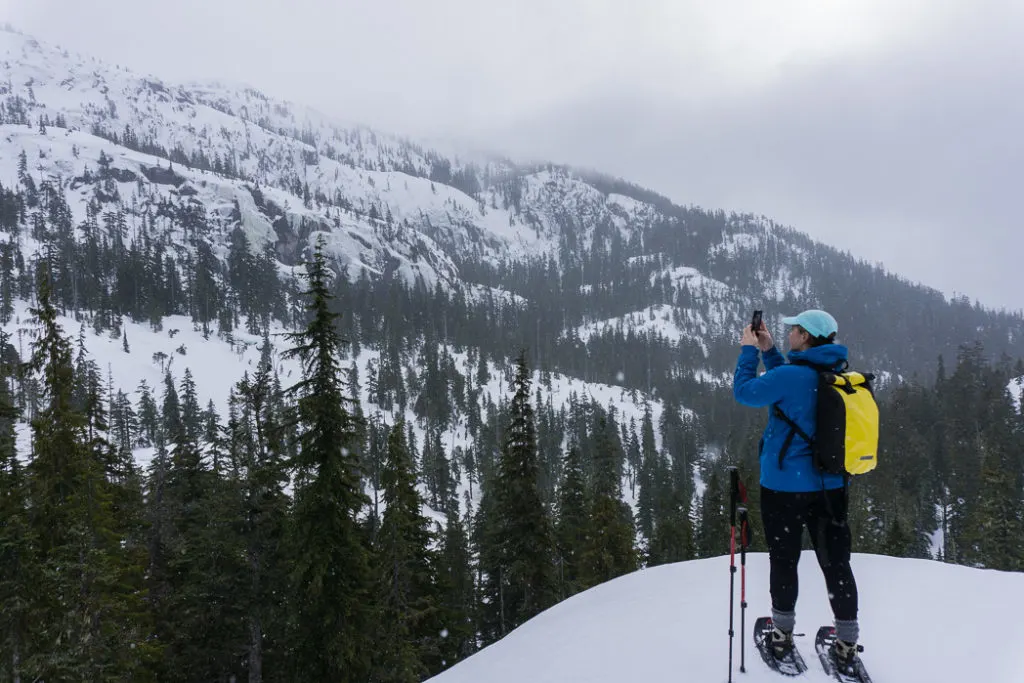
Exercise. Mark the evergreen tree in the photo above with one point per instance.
(649, 479)
(191, 417)
(672, 535)
(332, 581)
(456, 591)
(897, 540)
(997, 522)
(521, 580)
(573, 523)
(174, 428)
(90, 616)
(150, 428)
(18, 564)
(199, 614)
(408, 621)
(609, 549)
(713, 536)
(255, 436)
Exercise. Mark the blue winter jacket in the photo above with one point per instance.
(795, 389)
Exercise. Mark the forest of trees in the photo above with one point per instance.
(247, 535)
(292, 538)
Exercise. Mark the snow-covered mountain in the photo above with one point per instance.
(390, 207)
(623, 296)
(920, 621)
(388, 204)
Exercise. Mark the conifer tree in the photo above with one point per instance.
(332, 580)
(649, 477)
(191, 416)
(456, 591)
(149, 416)
(18, 564)
(521, 580)
(672, 537)
(997, 523)
(408, 620)
(90, 614)
(174, 428)
(199, 613)
(897, 540)
(573, 523)
(713, 536)
(254, 433)
(609, 549)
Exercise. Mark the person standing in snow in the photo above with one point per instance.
(794, 494)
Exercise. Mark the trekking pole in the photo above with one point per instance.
(734, 478)
(744, 541)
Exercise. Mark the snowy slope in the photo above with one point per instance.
(288, 147)
(387, 204)
(920, 621)
(69, 156)
(658, 321)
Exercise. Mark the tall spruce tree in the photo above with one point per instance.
(609, 548)
(408, 623)
(457, 591)
(572, 523)
(90, 619)
(332, 579)
(254, 440)
(997, 521)
(18, 564)
(200, 554)
(713, 535)
(672, 536)
(650, 478)
(521, 579)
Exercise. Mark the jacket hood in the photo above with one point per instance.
(828, 355)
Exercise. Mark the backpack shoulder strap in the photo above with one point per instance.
(795, 430)
(821, 368)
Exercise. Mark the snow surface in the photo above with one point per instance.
(920, 620)
(1016, 389)
(659, 320)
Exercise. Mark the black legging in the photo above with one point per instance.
(784, 516)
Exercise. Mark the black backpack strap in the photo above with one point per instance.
(846, 500)
(823, 550)
(822, 368)
(795, 430)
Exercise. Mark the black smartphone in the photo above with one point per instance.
(755, 323)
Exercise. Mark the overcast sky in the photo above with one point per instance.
(894, 130)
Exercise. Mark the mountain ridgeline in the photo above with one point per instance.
(481, 386)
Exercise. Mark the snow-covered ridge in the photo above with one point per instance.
(671, 623)
(388, 207)
(319, 163)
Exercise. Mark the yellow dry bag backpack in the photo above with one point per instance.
(846, 440)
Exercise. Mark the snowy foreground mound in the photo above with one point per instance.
(920, 621)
